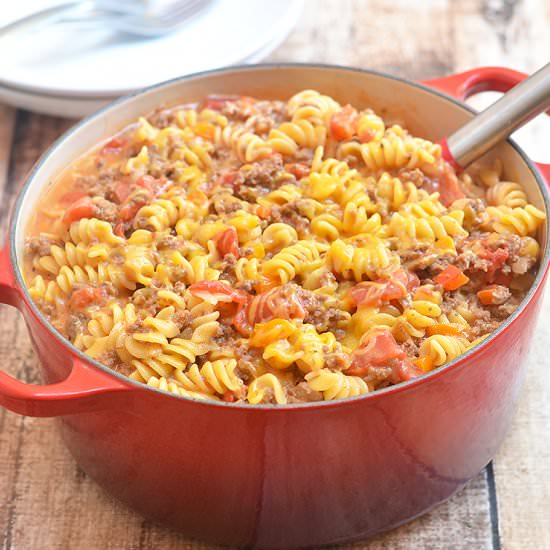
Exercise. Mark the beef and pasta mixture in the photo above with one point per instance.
(277, 252)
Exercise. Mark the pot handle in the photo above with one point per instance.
(483, 79)
(86, 389)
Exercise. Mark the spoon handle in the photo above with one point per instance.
(512, 110)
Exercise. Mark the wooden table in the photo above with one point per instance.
(46, 502)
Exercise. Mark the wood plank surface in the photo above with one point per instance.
(47, 502)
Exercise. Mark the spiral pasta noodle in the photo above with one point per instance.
(519, 221)
(290, 136)
(336, 385)
(292, 261)
(507, 193)
(214, 377)
(391, 152)
(430, 228)
(359, 262)
(267, 383)
(443, 349)
(71, 255)
(312, 106)
(247, 146)
(89, 231)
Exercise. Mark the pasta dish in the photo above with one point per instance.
(257, 251)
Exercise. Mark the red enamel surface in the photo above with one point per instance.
(484, 79)
(544, 169)
(278, 477)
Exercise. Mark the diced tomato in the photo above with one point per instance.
(366, 135)
(217, 291)
(493, 295)
(277, 303)
(155, 185)
(240, 319)
(451, 278)
(343, 123)
(381, 350)
(217, 103)
(369, 293)
(486, 296)
(443, 328)
(114, 144)
(121, 191)
(297, 169)
(376, 293)
(129, 210)
(85, 296)
(229, 397)
(263, 212)
(449, 188)
(405, 278)
(496, 259)
(82, 208)
(405, 370)
(72, 196)
(227, 242)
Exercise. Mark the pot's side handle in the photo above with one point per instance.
(483, 79)
(86, 389)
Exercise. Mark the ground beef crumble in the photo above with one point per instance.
(302, 393)
(259, 178)
(248, 361)
(106, 210)
(40, 245)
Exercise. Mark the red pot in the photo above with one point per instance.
(294, 475)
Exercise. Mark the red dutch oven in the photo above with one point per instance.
(296, 475)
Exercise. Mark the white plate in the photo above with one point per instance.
(51, 104)
(76, 107)
(64, 60)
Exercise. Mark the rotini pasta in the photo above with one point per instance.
(266, 252)
(292, 261)
(335, 384)
(518, 221)
(392, 152)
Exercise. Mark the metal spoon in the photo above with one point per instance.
(523, 102)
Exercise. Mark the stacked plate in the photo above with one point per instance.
(71, 69)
